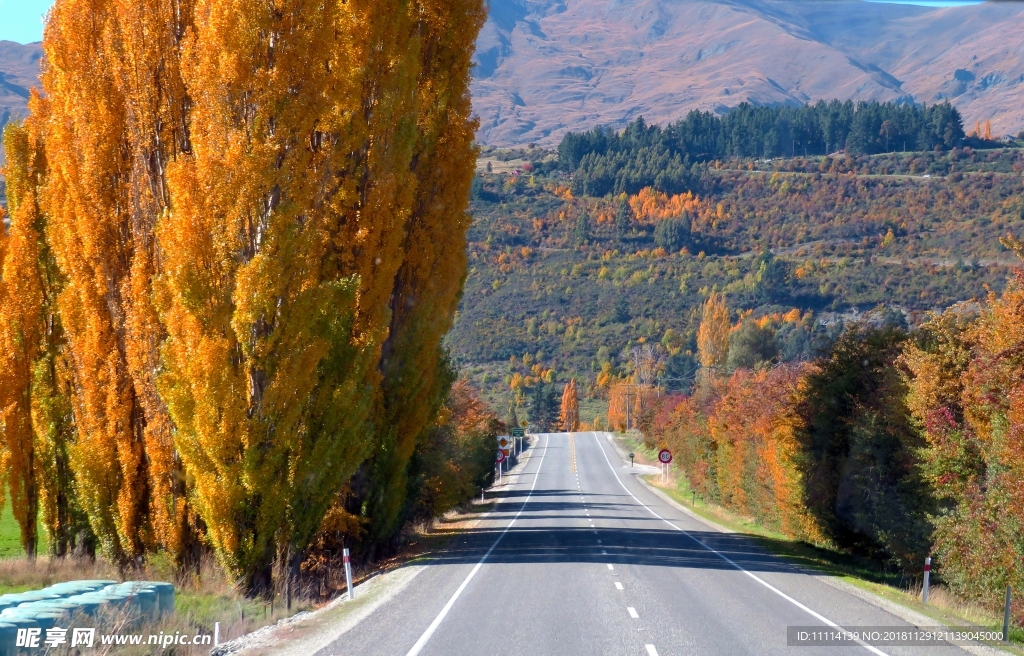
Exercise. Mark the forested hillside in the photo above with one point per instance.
(563, 285)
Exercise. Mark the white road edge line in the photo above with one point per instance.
(651, 651)
(766, 584)
(422, 642)
(618, 586)
(632, 612)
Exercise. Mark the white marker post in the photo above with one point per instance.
(927, 579)
(348, 573)
(216, 633)
(1006, 613)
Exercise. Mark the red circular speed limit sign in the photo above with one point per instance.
(501, 456)
(665, 456)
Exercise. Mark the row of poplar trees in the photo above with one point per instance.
(235, 239)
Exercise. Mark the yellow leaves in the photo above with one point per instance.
(713, 334)
(650, 205)
(570, 409)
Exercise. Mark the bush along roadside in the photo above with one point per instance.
(892, 446)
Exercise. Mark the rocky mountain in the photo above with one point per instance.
(548, 66)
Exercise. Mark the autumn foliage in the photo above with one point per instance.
(569, 414)
(237, 238)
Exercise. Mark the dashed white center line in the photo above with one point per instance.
(618, 586)
(633, 613)
(599, 542)
(604, 553)
(651, 651)
(610, 566)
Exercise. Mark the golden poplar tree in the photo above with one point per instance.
(427, 286)
(570, 413)
(31, 335)
(21, 305)
(115, 118)
(713, 335)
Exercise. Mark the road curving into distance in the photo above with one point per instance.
(578, 557)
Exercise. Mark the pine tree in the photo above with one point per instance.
(623, 220)
(512, 421)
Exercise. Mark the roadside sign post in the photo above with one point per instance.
(927, 579)
(518, 434)
(500, 458)
(665, 457)
(348, 572)
(631, 459)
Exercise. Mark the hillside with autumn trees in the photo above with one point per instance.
(235, 237)
(829, 344)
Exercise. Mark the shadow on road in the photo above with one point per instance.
(652, 543)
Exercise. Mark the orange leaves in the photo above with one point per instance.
(21, 327)
(737, 445)
(650, 205)
(569, 414)
(263, 246)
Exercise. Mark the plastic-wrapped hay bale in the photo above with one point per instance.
(142, 596)
(8, 639)
(43, 618)
(87, 604)
(10, 601)
(38, 595)
(121, 607)
(164, 594)
(70, 588)
(63, 605)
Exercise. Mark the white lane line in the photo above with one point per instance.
(815, 615)
(604, 553)
(632, 612)
(618, 586)
(422, 642)
(610, 566)
(599, 542)
(651, 651)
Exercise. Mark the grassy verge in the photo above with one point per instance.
(10, 534)
(866, 574)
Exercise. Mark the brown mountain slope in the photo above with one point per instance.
(19, 72)
(548, 66)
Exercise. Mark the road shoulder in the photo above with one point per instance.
(305, 634)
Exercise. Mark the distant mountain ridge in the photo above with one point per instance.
(545, 67)
(19, 72)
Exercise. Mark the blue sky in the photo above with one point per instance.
(22, 20)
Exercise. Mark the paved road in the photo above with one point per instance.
(580, 558)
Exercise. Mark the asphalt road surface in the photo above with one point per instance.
(578, 557)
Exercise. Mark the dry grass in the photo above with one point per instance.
(20, 574)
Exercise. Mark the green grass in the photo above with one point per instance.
(10, 534)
